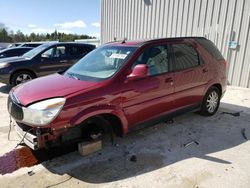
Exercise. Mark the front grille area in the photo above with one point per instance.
(14, 109)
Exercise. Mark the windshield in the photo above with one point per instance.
(101, 63)
(30, 54)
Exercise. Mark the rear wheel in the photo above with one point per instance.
(210, 102)
(21, 77)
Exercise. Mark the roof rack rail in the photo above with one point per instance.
(173, 38)
(120, 40)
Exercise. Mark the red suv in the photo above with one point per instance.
(119, 86)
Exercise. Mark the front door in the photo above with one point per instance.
(53, 60)
(151, 96)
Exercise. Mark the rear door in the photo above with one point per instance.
(151, 96)
(191, 74)
(53, 60)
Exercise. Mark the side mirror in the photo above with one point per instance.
(139, 71)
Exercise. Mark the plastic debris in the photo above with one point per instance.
(169, 121)
(191, 142)
(243, 132)
(31, 173)
(133, 158)
(96, 136)
(236, 114)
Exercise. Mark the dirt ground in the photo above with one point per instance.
(165, 154)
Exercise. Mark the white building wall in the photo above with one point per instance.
(218, 20)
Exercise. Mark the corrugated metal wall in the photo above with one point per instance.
(219, 20)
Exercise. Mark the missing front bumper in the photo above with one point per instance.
(28, 138)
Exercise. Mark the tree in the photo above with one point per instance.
(10, 36)
(19, 37)
(4, 37)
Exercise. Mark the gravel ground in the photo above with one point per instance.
(219, 157)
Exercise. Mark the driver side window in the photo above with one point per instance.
(55, 52)
(156, 58)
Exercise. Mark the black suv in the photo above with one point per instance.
(43, 60)
(11, 52)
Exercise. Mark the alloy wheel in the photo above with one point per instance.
(23, 78)
(212, 101)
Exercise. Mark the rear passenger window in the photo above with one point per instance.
(78, 51)
(185, 56)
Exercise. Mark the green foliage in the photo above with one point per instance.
(6, 36)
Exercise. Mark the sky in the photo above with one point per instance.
(42, 16)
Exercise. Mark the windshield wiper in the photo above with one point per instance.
(72, 75)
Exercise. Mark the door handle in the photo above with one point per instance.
(63, 61)
(169, 80)
(204, 70)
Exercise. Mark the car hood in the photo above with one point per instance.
(13, 59)
(51, 86)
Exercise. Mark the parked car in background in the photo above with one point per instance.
(43, 60)
(31, 44)
(119, 86)
(11, 52)
(13, 45)
(4, 45)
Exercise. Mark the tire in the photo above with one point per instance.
(21, 77)
(211, 102)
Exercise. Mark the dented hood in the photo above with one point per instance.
(51, 86)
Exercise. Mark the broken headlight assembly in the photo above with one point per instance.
(43, 112)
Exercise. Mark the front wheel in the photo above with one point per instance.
(210, 102)
(21, 77)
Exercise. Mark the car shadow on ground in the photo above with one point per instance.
(5, 89)
(158, 146)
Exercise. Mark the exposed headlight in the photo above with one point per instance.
(4, 65)
(42, 113)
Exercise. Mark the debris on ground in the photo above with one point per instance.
(243, 132)
(59, 183)
(191, 142)
(169, 121)
(133, 158)
(116, 145)
(96, 136)
(126, 152)
(31, 173)
(236, 114)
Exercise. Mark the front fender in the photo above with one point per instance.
(98, 110)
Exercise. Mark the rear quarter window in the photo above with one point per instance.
(211, 48)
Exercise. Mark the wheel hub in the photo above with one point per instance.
(23, 78)
(212, 101)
